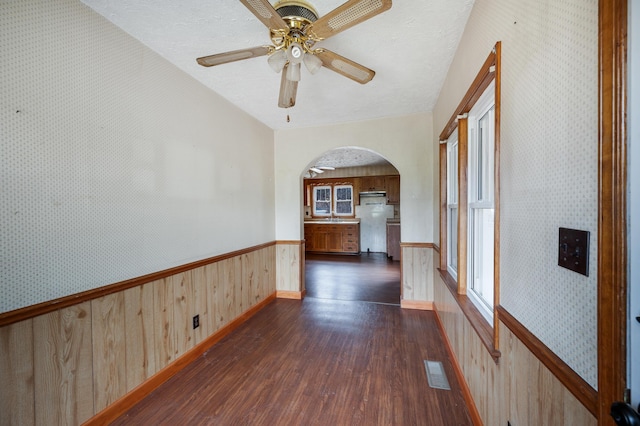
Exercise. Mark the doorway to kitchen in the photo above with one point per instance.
(351, 213)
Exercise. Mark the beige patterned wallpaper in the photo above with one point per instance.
(113, 163)
(549, 157)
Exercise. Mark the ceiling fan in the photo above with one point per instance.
(316, 170)
(295, 27)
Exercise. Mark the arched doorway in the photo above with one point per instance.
(351, 215)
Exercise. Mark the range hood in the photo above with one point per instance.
(373, 194)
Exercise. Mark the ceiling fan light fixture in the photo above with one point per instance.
(295, 27)
(295, 53)
(312, 62)
(277, 60)
(293, 72)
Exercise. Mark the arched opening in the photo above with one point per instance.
(351, 215)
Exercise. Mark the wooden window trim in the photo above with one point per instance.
(490, 71)
(612, 205)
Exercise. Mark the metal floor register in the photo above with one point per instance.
(436, 376)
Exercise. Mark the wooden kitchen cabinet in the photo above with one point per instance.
(351, 238)
(332, 237)
(393, 240)
(392, 184)
(356, 190)
(372, 183)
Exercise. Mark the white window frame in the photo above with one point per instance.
(452, 205)
(481, 206)
(336, 201)
(315, 200)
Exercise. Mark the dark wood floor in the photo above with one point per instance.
(369, 277)
(314, 362)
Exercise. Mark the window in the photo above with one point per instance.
(481, 122)
(343, 200)
(333, 200)
(452, 204)
(470, 202)
(322, 201)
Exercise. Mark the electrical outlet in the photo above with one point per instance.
(196, 321)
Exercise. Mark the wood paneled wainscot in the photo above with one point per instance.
(96, 353)
(519, 388)
(332, 237)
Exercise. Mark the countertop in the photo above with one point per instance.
(331, 222)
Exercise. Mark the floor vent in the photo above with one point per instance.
(436, 375)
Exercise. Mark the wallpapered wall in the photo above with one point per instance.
(549, 154)
(114, 163)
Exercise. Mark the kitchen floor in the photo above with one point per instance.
(368, 277)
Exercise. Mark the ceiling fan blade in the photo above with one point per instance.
(235, 55)
(265, 12)
(288, 90)
(346, 16)
(346, 67)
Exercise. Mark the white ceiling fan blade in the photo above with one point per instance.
(235, 55)
(288, 90)
(265, 12)
(346, 67)
(346, 16)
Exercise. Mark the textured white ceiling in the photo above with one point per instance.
(350, 157)
(409, 46)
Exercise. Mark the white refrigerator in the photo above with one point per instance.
(373, 213)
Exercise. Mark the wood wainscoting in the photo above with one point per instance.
(519, 388)
(416, 275)
(290, 269)
(66, 364)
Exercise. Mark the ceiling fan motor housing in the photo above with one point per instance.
(296, 8)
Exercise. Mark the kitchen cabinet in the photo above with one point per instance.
(372, 183)
(393, 240)
(392, 184)
(356, 191)
(332, 237)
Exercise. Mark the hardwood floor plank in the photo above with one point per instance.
(367, 277)
(329, 359)
(314, 362)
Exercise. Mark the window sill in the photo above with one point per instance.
(482, 328)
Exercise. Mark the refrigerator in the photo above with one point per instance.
(373, 213)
